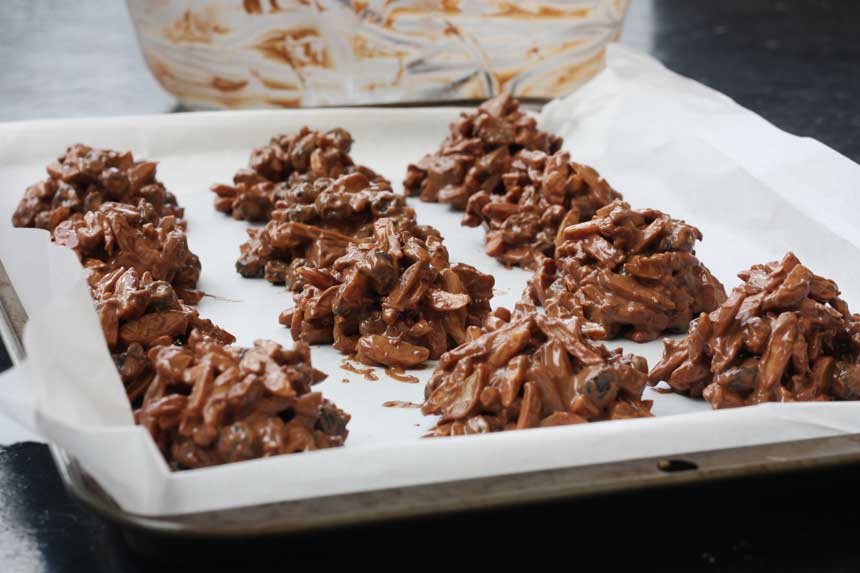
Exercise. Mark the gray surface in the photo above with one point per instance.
(73, 59)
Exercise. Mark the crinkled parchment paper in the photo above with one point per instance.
(664, 141)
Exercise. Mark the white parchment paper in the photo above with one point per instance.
(662, 140)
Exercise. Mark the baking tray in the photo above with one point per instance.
(386, 505)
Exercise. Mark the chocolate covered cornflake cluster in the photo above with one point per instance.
(127, 231)
(368, 279)
(203, 401)
(542, 193)
(118, 236)
(531, 370)
(83, 178)
(314, 224)
(142, 278)
(212, 404)
(477, 152)
(629, 273)
(288, 160)
(138, 313)
(784, 335)
(392, 299)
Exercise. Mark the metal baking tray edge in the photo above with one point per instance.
(439, 498)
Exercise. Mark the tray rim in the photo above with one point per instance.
(453, 497)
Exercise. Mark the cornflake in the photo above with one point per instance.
(784, 335)
(627, 272)
(392, 299)
(286, 161)
(532, 370)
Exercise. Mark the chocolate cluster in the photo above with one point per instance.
(137, 313)
(212, 404)
(127, 231)
(477, 152)
(393, 298)
(542, 193)
(117, 236)
(203, 401)
(315, 222)
(532, 370)
(288, 160)
(142, 278)
(629, 273)
(784, 335)
(83, 178)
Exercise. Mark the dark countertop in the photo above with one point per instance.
(794, 62)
